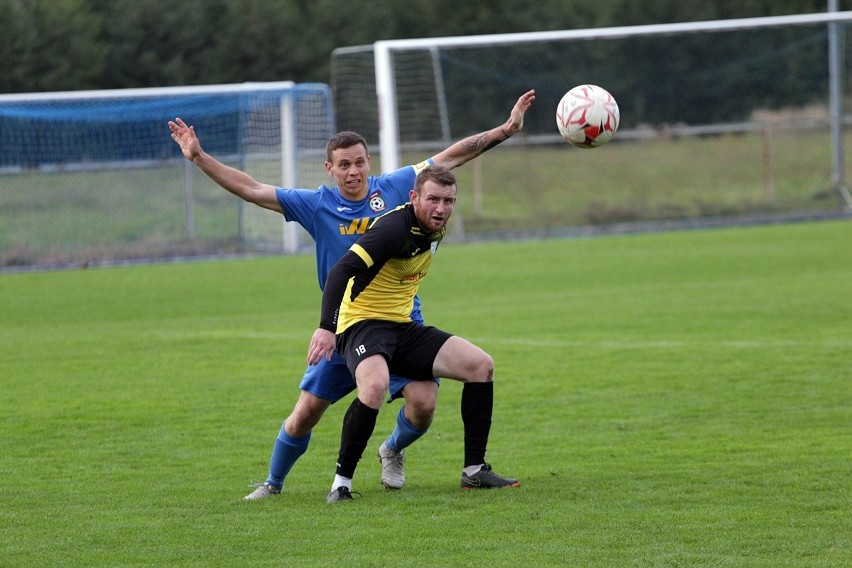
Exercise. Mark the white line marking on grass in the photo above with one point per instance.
(738, 344)
(748, 344)
(231, 334)
(532, 342)
(547, 343)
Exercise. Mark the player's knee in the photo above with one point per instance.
(484, 368)
(421, 421)
(372, 393)
(461, 360)
(298, 425)
(306, 414)
(424, 407)
(420, 411)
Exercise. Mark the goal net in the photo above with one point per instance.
(732, 117)
(94, 176)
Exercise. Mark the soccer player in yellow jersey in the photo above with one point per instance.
(366, 307)
(336, 215)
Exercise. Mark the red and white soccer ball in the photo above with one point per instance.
(587, 116)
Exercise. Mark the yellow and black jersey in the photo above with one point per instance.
(379, 275)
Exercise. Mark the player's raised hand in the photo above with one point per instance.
(185, 137)
(322, 345)
(516, 118)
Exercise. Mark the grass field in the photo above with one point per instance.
(668, 399)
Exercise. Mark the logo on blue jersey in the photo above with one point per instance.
(356, 227)
(377, 203)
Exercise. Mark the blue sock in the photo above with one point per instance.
(285, 452)
(404, 434)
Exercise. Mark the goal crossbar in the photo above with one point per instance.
(386, 94)
(148, 92)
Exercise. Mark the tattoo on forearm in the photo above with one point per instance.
(479, 143)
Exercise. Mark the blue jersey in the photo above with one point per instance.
(335, 223)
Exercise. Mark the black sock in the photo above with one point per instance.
(477, 402)
(358, 425)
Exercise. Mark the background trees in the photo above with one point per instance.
(58, 45)
(50, 45)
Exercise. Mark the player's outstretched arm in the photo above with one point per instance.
(239, 183)
(468, 148)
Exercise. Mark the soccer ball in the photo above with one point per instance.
(587, 116)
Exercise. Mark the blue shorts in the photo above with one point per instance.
(331, 380)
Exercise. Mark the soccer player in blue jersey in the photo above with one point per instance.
(335, 217)
(366, 318)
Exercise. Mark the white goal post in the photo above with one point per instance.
(111, 149)
(389, 134)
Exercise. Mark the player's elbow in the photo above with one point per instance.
(448, 160)
(262, 196)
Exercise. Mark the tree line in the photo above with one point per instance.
(63, 45)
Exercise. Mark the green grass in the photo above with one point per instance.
(669, 399)
(665, 178)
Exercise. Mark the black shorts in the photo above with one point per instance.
(409, 348)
